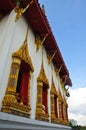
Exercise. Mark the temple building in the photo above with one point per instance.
(33, 74)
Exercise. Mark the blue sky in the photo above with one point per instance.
(67, 19)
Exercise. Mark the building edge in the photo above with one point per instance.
(12, 122)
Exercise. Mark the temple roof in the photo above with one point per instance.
(40, 25)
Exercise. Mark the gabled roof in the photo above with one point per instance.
(40, 25)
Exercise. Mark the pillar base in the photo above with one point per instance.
(42, 116)
(16, 109)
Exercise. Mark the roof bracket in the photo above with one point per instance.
(50, 57)
(57, 70)
(21, 11)
(40, 42)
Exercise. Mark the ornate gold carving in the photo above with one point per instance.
(60, 103)
(65, 110)
(62, 119)
(23, 54)
(58, 70)
(53, 88)
(39, 42)
(10, 102)
(50, 57)
(40, 114)
(12, 82)
(60, 96)
(42, 76)
(53, 92)
(15, 108)
(13, 102)
(21, 11)
(62, 83)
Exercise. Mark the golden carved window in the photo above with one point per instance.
(16, 99)
(42, 96)
(54, 104)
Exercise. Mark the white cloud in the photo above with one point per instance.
(77, 105)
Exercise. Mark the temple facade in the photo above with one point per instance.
(33, 74)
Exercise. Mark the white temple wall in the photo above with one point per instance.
(13, 36)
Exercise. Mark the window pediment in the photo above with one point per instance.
(53, 88)
(42, 76)
(23, 54)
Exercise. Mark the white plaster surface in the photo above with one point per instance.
(12, 122)
(11, 38)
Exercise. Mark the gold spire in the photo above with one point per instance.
(42, 76)
(53, 88)
(25, 41)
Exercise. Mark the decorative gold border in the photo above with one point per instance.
(20, 10)
(9, 103)
(40, 42)
(40, 80)
(53, 93)
(23, 54)
(62, 83)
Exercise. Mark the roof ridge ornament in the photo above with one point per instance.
(20, 10)
(43, 9)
